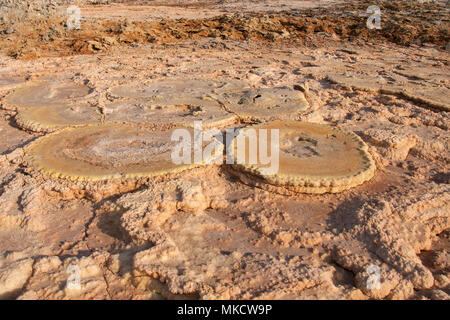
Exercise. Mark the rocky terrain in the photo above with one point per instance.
(358, 210)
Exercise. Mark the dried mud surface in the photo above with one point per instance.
(203, 232)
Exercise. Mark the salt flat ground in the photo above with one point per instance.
(215, 232)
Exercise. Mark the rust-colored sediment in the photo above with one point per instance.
(105, 152)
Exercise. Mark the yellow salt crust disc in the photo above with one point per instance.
(106, 152)
(265, 103)
(363, 82)
(313, 158)
(423, 72)
(183, 110)
(175, 88)
(51, 118)
(42, 93)
(8, 83)
(434, 97)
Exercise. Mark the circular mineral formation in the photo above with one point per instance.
(265, 103)
(8, 83)
(164, 112)
(51, 118)
(435, 97)
(365, 82)
(42, 94)
(171, 89)
(422, 72)
(313, 158)
(104, 152)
